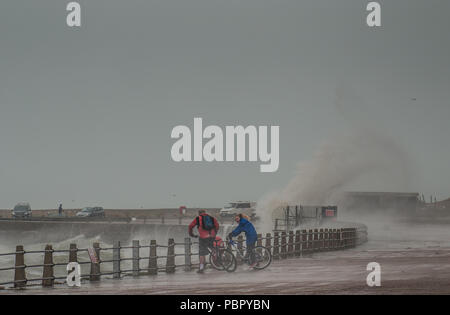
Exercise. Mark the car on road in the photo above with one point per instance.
(90, 212)
(21, 210)
(246, 207)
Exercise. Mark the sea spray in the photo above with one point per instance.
(363, 157)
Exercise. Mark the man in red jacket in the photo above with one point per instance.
(207, 229)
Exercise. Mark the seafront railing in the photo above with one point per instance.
(137, 259)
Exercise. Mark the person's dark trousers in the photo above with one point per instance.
(250, 253)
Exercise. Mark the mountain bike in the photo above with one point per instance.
(263, 257)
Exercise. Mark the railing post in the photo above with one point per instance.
(95, 267)
(291, 244)
(73, 253)
(153, 259)
(47, 273)
(259, 240)
(297, 243)
(187, 254)
(339, 237)
(335, 242)
(349, 237)
(269, 242)
(276, 246)
(20, 279)
(135, 258)
(170, 261)
(325, 237)
(331, 239)
(283, 245)
(304, 247)
(321, 240)
(116, 260)
(345, 240)
(316, 238)
(310, 241)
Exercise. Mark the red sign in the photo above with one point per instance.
(329, 213)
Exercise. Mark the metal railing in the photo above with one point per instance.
(117, 264)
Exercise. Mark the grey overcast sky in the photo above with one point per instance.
(86, 114)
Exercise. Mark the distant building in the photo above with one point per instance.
(398, 201)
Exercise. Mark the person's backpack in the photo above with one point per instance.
(207, 222)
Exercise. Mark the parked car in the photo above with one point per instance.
(21, 210)
(233, 208)
(91, 212)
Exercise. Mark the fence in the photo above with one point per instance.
(282, 245)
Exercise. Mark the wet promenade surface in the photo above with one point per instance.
(404, 270)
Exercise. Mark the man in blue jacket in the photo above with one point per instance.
(250, 235)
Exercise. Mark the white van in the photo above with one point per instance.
(247, 207)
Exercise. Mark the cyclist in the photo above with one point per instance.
(250, 235)
(207, 229)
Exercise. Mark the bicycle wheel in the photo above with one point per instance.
(228, 260)
(263, 257)
(214, 260)
(223, 259)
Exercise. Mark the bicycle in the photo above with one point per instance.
(262, 255)
(222, 258)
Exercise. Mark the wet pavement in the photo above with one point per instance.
(404, 270)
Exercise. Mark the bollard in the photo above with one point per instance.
(321, 240)
(240, 241)
(283, 245)
(291, 244)
(269, 242)
(187, 254)
(19, 271)
(95, 267)
(47, 273)
(152, 259)
(116, 260)
(135, 258)
(73, 253)
(170, 261)
(276, 246)
(297, 243)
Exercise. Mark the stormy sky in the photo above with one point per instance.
(86, 114)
